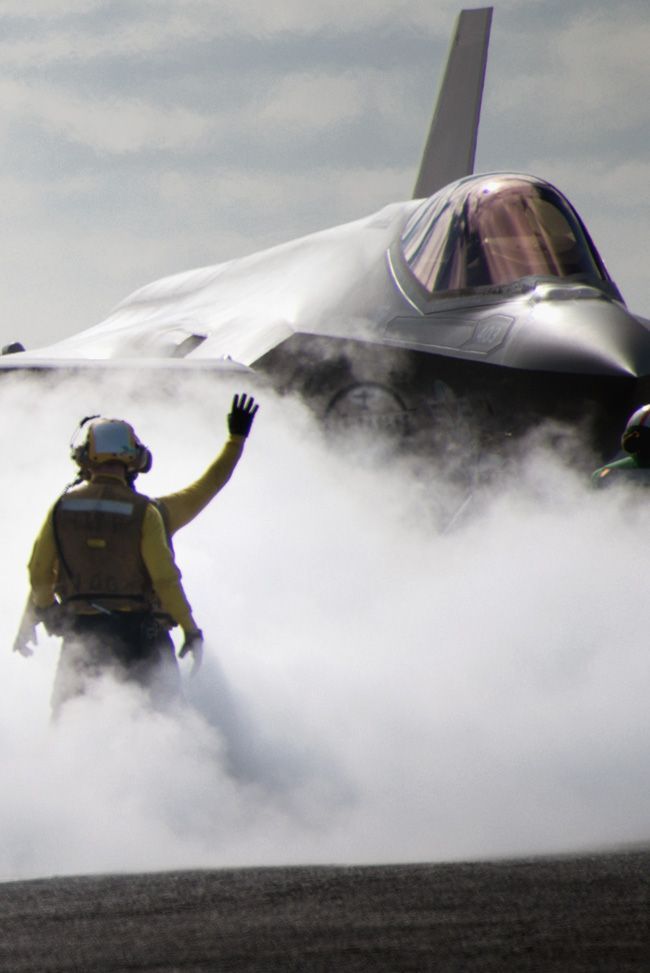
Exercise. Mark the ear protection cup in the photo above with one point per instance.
(630, 440)
(144, 459)
(79, 442)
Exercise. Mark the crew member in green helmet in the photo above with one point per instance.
(635, 466)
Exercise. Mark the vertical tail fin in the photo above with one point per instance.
(451, 145)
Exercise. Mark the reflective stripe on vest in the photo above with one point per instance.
(103, 506)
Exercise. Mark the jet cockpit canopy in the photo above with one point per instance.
(494, 230)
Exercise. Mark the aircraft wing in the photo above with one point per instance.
(230, 315)
(42, 362)
(451, 144)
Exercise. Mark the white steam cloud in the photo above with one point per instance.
(376, 688)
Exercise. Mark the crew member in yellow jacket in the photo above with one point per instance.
(102, 571)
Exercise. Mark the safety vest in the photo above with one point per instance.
(98, 532)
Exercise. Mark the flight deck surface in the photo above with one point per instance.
(573, 914)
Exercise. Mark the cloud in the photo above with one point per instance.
(89, 30)
(605, 82)
(317, 101)
(47, 10)
(581, 81)
(105, 127)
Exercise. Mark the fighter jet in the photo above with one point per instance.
(482, 302)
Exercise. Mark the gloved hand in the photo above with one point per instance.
(242, 413)
(23, 642)
(26, 634)
(51, 618)
(193, 642)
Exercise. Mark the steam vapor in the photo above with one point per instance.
(377, 687)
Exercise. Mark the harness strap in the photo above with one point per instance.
(57, 541)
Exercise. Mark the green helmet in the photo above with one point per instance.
(636, 435)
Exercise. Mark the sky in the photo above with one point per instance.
(144, 138)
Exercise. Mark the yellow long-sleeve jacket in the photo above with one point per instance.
(160, 522)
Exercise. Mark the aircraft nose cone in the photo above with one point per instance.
(576, 330)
